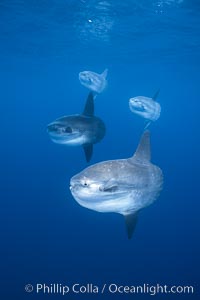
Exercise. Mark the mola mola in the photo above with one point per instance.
(123, 186)
(146, 107)
(84, 129)
(93, 81)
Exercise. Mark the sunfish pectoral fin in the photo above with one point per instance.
(131, 221)
(89, 106)
(88, 149)
(110, 186)
(156, 94)
(105, 73)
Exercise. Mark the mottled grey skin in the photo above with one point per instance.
(123, 186)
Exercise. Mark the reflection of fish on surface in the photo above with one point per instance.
(146, 107)
(123, 186)
(84, 129)
(94, 81)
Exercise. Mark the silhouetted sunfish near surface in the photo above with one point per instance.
(146, 107)
(84, 129)
(123, 186)
(93, 81)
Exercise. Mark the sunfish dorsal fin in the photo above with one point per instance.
(89, 106)
(105, 73)
(131, 221)
(88, 149)
(156, 94)
(143, 151)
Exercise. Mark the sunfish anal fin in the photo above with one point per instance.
(147, 124)
(88, 149)
(89, 106)
(143, 151)
(131, 221)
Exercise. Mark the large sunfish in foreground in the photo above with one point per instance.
(146, 107)
(94, 81)
(123, 186)
(84, 129)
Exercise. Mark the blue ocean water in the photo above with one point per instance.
(46, 237)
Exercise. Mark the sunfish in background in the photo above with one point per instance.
(84, 129)
(93, 81)
(123, 186)
(146, 107)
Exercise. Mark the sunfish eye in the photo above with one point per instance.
(84, 76)
(84, 183)
(138, 102)
(68, 130)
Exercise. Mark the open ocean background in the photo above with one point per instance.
(46, 237)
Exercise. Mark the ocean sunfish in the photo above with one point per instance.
(145, 107)
(84, 129)
(123, 186)
(93, 81)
